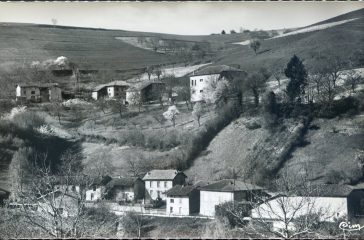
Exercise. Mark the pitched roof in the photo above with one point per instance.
(113, 83)
(209, 70)
(121, 182)
(142, 85)
(180, 190)
(161, 174)
(38, 84)
(326, 190)
(229, 185)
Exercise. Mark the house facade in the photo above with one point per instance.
(125, 189)
(42, 92)
(329, 201)
(96, 191)
(145, 92)
(225, 191)
(157, 182)
(115, 89)
(203, 82)
(182, 200)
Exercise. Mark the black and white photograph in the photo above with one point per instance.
(182, 120)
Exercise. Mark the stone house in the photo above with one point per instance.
(96, 191)
(157, 182)
(125, 189)
(111, 90)
(146, 92)
(38, 92)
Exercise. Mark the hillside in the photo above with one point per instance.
(327, 152)
(344, 40)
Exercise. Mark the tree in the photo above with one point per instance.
(255, 82)
(353, 78)
(297, 75)
(255, 45)
(297, 214)
(220, 93)
(55, 203)
(334, 67)
(133, 224)
(223, 32)
(232, 31)
(54, 22)
(136, 99)
(102, 104)
(184, 92)
(277, 74)
(171, 114)
(149, 71)
(270, 109)
(198, 111)
(118, 106)
(158, 72)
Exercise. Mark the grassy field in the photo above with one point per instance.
(345, 40)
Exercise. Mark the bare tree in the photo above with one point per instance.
(133, 224)
(198, 111)
(256, 83)
(149, 71)
(353, 78)
(55, 204)
(158, 72)
(255, 45)
(334, 67)
(136, 99)
(118, 106)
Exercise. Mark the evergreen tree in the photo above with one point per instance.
(297, 75)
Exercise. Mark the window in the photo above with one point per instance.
(201, 91)
(94, 187)
(24, 92)
(172, 200)
(158, 184)
(150, 184)
(195, 82)
(191, 82)
(32, 92)
(171, 209)
(165, 184)
(201, 80)
(92, 196)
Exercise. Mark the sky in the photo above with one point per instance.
(186, 18)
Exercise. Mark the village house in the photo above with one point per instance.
(125, 189)
(328, 201)
(38, 92)
(184, 200)
(203, 81)
(157, 182)
(225, 191)
(145, 92)
(96, 191)
(115, 89)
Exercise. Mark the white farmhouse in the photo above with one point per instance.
(203, 81)
(329, 201)
(157, 182)
(225, 191)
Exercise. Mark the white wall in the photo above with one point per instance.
(94, 95)
(154, 188)
(328, 208)
(208, 201)
(179, 205)
(18, 91)
(110, 91)
(96, 194)
(202, 83)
